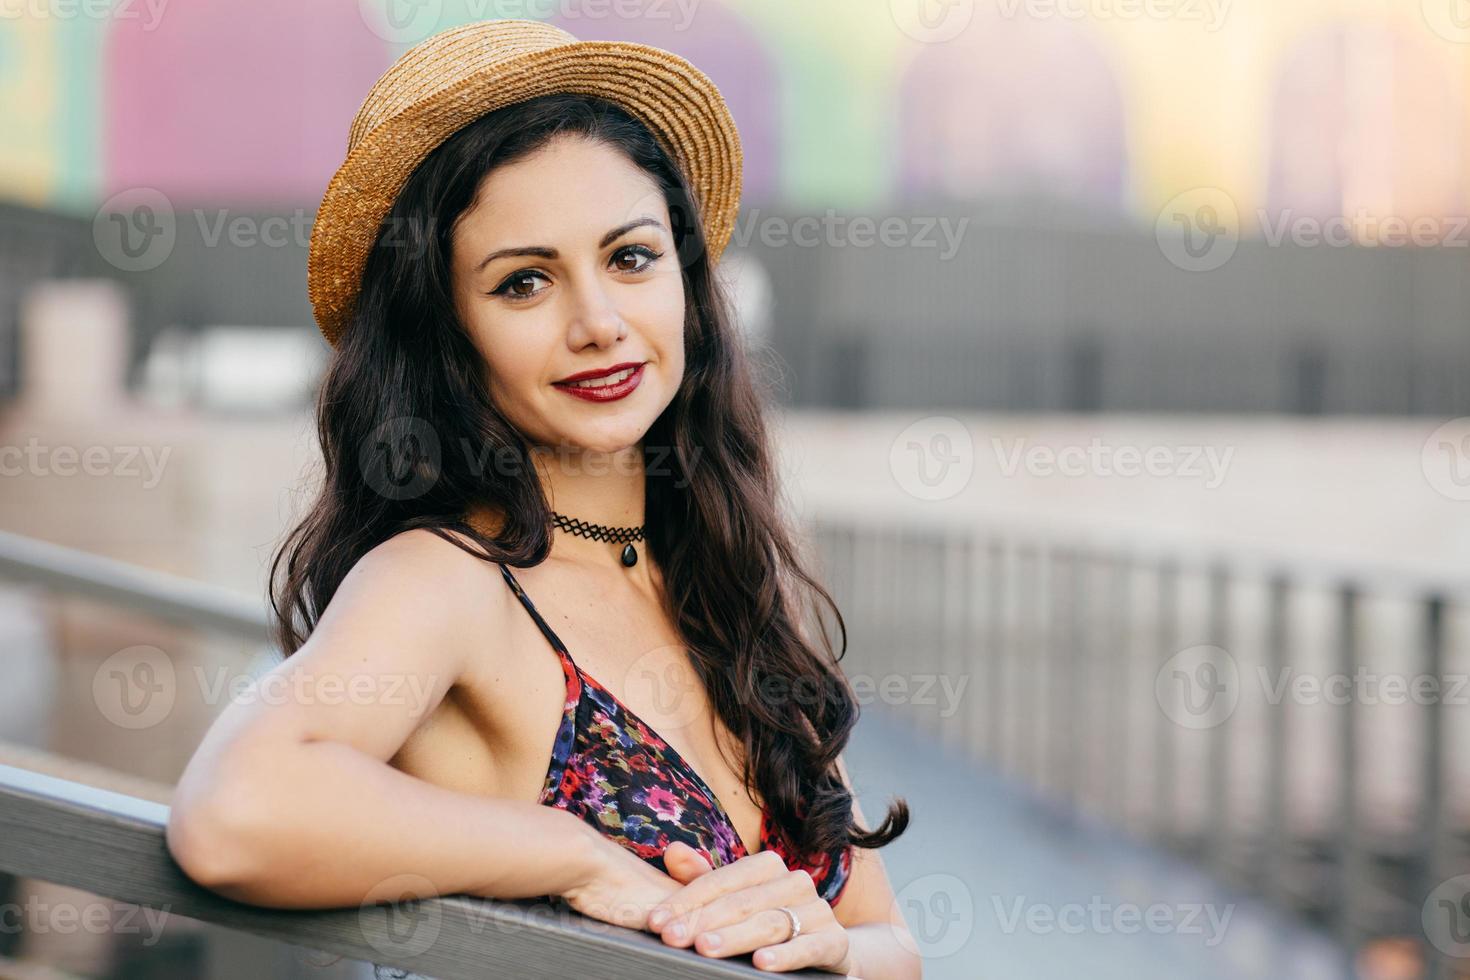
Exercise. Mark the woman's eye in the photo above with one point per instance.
(518, 286)
(633, 251)
(510, 288)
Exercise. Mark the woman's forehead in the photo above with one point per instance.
(573, 190)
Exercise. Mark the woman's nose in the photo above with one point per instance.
(595, 317)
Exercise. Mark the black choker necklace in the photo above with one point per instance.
(602, 532)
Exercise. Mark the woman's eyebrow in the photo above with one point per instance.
(546, 252)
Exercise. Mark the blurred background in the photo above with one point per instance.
(1121, 351)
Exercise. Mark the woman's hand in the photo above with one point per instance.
(617, 886)
(736, 909)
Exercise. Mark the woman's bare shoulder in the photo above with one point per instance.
(417, 583)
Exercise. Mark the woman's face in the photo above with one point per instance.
(565, 263)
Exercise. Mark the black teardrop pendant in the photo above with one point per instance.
(630, 556)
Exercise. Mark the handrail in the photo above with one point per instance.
(113, 845)
(877, 517)
(158, 594)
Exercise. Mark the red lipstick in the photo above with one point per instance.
(605, 392)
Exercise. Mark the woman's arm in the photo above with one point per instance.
(289, 801)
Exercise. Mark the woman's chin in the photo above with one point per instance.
(609, 439)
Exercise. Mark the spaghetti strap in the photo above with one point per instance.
(541, 623)
(614, 771)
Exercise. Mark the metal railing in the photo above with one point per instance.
(1126, 684)
(112, 844)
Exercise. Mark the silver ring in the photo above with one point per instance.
(795, 923)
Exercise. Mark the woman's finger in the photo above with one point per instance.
(792, 889)
(685, 863)
(767, 926)
(749, 870)
(818, 949)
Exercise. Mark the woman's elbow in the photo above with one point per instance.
(211, 846)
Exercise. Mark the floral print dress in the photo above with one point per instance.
(616, 773)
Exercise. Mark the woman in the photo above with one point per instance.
(534, 369)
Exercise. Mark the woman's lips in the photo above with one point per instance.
(605, 393)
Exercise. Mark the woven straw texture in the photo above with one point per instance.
(447, 81)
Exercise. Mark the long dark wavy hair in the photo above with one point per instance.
(406, 387)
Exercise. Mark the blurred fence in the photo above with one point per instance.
(1290, 726)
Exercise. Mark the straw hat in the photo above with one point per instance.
(447, 81)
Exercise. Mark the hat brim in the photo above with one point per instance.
(674, 99)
